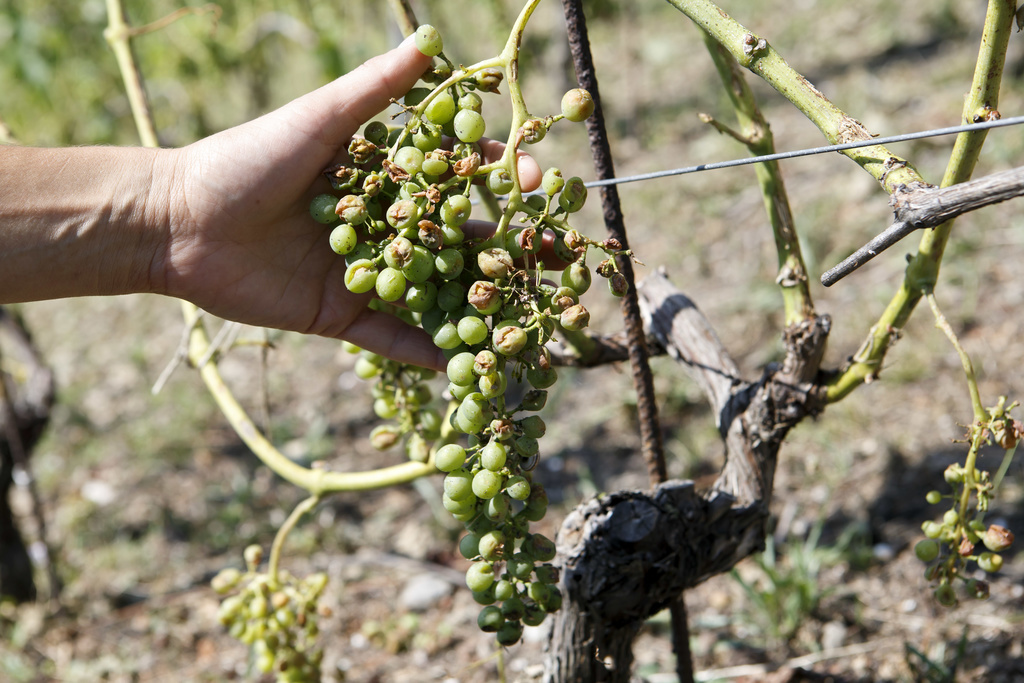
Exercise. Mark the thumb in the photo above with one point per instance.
(343, 105)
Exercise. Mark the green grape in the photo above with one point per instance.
(421, 297)
(473, 415)
(441, 109)
(403, 214)
(577, 105)
(449, 263)
(499, 181)
(493, 456)
(547, 573)
(469, 125)
(434, 166)
(497, 508)
(459, 391)
(517, 487)
(472, 330)
(343, 239)
(541, 379)
(535, 400)
(539, 547)
(509, 633)
(486, 484)
(397, 253)
(490, 619)
(508, 338)
(426, 139)
(420, 266)
(412, 98)
(513, 608)
(520, 566)
(447, 337)
(552, 182)
(469, 546)
(533, 426)
(460, 368)
(376, 132)
(493, 385)
(573, 195)
(987, 562)
(410, 159)
(361, 276)
(527, 446)
(577, 277)
(574, 318)
(480, 576)
(428, 40)
(471, 101)
(322, 209)
(432, 320)
(458, 485)
(458, 507)
(927, 549)
(538, 592)
(449, 457)
(451, 297)
(534, 616)
(390, 284)
(361, 251)
(385, 408)
(456, 210)
(492, 545)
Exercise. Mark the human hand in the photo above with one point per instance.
(242, 244)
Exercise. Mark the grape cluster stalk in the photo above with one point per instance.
(400, 208)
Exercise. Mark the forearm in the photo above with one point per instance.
(80, 221)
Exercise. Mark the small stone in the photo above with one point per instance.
(833, 635)
(423, 591)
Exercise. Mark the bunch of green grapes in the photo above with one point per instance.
(400, 208)
(276, 617)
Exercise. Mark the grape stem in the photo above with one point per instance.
(282, 534)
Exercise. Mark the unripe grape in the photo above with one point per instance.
(322, 209)
(554, 601)
(486, 484)
(495, 263)
(441, 109)
(497, 508)
(420, 266)
(990, 562)
(451, 297)
(458, 485)
(460, 368)
(426, 139)
(927, 549)
(447, 337)
(577, 277)
(517, 487)
(553, 182)
(471, 101)
(508, 338)
(509, 633)
(534, 616)
(490, 619)
(428, 40)
(931, 529)
(385, 407)
(410, 159)
(520, 566)
(458, 508)
(469, 546)
(527, 446)
(575, 318)
(547, 573)
(484, 597)
(493, 385)
(945, 595)
(449, 457)
(460, 392)
(432, 320)
(480, 576)
(485, 297)
(504, 590)
(573, 195)
(361, 276)
(472, 330)
(376, 132)
(541, 379)
(403, 214)
(577, 105)
(449, 263)
(414, 97)
(434, 166)
(473, 415)
(343, 239)
(421, 297)
(469, 125)
(456, 210)
(489, 79)
(499, 181)
(535, 400)
(492, 545)
(493, 456)
(384, 437)
(390, 284)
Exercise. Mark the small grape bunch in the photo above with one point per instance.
(276, 617)
(962, 533)
(400, 212)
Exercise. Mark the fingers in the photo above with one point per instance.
(392, 338)
(529, 171)
(344, 104)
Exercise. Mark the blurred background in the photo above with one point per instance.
(148, 495)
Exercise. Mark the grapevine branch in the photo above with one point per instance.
(920, 208)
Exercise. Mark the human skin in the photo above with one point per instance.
(223, 223)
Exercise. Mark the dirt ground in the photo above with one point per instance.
(148, 496)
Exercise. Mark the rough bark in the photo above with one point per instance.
(626, 555)
(24, 413)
